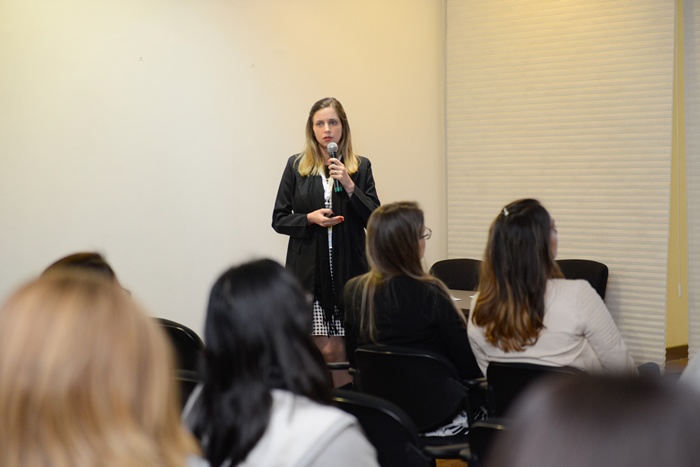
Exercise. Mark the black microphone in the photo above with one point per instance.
(332, 151)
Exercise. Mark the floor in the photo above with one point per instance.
(450, 463)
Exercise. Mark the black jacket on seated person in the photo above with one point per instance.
(414, 314)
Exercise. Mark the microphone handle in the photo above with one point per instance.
(337, 187)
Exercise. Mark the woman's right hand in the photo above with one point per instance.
(324, 217)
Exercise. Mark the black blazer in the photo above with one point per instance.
(297, 196)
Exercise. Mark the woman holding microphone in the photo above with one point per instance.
(324, 200)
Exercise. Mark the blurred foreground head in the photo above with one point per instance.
(86, 378)
(86, 261)
(615, 421)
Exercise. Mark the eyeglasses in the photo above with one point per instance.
(427, 234)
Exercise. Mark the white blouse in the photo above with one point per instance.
(578, 332)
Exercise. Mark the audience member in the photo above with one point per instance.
(265, 392)
(601, 419)
(691, 373)
(525, 310)
(397, 302)
(83, 260)
(86, 379)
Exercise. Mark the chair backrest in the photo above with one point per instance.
(458, 273)
(508, 380)
(187, 344)
(392, 433)
(594, 272)
(187, 380)
(425, 385)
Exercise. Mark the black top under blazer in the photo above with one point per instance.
(297, 196)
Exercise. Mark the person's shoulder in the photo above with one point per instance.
(295, 402)
(570, 285)
(294, 159)
(353, 283)
(408, 283)
(564, 293)
(363, 161)
(425, 289)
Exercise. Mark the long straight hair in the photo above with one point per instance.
(257, 338)
(311, 160)
(517, 264)
(86, 379)
(393, 249)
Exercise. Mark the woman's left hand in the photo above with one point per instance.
(338, 172)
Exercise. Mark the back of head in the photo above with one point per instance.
(393, 236)
(393, 247)
(618, 421)
(517, 264)
(257, 335)
(87, 261)
(519, 248)
(86, 378)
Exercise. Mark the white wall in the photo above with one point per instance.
(156, 131)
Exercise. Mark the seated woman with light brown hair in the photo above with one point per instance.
(526, 311)
(86, 379)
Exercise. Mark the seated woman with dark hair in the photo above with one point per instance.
(601, 420)
(397, 302)
(525, 311)
(265, 392)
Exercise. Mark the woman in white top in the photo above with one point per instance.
(266, 390)
(525, 311)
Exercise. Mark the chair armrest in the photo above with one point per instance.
(479, 393)
(476, 383)
(466, 455)
(338, 365)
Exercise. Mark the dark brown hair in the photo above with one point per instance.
(517, 264)
(393, 249)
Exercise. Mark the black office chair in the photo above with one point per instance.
(426, 386)
(458, 273)
(482, 434)
(392, 433)
(187, 380)
(187, 344)
(507, 381)
(594, 272)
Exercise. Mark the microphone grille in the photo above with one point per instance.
(333, 148)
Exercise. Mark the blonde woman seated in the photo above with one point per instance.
(398, 303)
(86, 380)
(525, 311)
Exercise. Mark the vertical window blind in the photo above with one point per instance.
(691, 54)
(570, 102)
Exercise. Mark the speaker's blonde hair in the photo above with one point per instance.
(86, 379)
